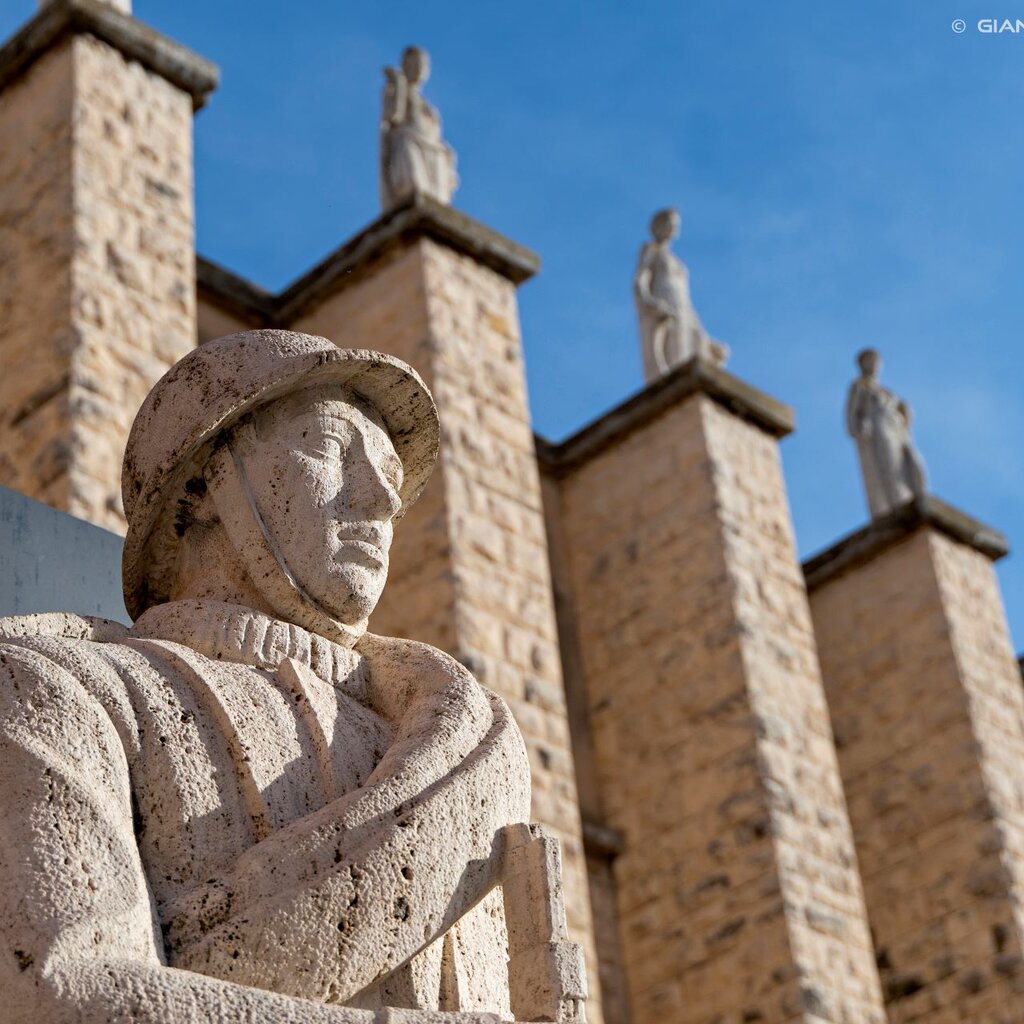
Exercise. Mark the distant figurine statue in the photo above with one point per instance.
(879, 422)
(670, 330)
(414, 159)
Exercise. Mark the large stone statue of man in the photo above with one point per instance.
(670, 330)
(247, 806)
(879, 422)
(414, 159)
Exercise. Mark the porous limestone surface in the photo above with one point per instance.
(471, 572)
(926, 701)
(247, 804)
(738, 894)
(98, 280)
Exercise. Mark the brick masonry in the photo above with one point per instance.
(928, 710)
(36, 247)
(599, 856)
(737, 890)
(97, 290)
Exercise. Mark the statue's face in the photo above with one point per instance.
(870, 362)
(416, 65)
(325, 477)
(665, 225)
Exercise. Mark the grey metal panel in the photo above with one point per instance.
(53, 562)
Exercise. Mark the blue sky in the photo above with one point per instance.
(849, 174)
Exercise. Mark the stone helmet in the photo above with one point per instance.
(194, 405)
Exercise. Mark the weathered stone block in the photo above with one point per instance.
(925, 695)
(737, 890)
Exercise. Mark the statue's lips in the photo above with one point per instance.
(362, 551)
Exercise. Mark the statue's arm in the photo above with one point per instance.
(80, 938)
(394, 102)
(642, 283)
(856, 419)
(642, 278)
(328, 905)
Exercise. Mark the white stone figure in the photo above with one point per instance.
(879, 422)
(247, 806)
(414, 159)
(670, 330)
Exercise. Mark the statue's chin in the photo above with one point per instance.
(351, 593)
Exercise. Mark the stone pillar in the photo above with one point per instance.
(97, 279)
(600, 844)
(926, 700)
(470, 565)
(737, 890)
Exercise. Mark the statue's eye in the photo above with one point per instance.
(332, 446)
(323, 447)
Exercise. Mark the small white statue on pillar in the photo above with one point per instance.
(414, 159)
(879, 421)
(670, 330)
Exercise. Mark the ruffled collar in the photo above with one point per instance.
(231, 632)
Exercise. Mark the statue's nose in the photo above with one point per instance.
(372, 495)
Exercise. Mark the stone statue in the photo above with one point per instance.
(670, 330)
(247, 806)
(414, 159)
(879, 422)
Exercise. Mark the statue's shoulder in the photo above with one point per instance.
(72, 663)
(61, 626)
(861, 391)
(414, 682)
(410, 658)
(61, 656)
(72, 642)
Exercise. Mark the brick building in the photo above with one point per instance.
(784, 792)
